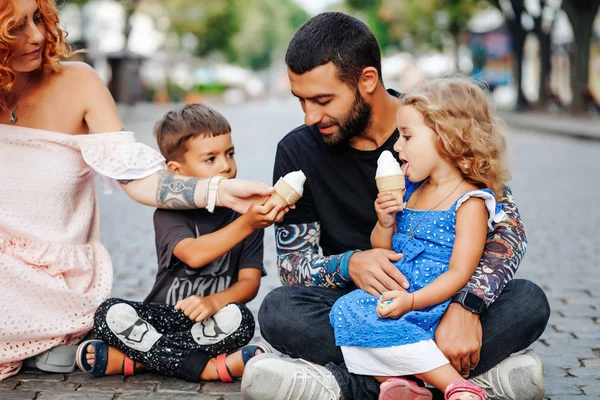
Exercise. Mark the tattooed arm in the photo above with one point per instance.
(299, 261)
(166, 190)
(504, 250)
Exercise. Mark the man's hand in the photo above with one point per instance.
(459, 336)
(197, 308)
(373, 272)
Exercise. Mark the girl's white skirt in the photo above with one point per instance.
(408, 359)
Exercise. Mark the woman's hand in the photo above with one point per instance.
(239, 194)
(401, 303)
(386, 207)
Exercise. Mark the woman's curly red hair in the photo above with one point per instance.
(55, 46)
(466, 132)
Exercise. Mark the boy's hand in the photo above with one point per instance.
(197, 308)
(261, 215)
(386, 207)
(401, 303)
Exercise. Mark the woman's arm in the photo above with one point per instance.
(161, 189)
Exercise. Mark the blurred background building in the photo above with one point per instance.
(533, 54)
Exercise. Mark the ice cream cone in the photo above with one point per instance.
(392, 183)
(284, 195)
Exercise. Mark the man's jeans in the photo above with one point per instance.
(295, 321)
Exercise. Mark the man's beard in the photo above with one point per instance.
(355, 123)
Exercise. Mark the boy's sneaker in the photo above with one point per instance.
(516, 378)
(269, 377)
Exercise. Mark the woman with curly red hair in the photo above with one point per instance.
(452, 151)
(55, 272)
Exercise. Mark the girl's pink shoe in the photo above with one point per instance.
(464, 390)
(402, 389)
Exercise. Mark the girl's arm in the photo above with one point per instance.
(471, 231)
(381, 238)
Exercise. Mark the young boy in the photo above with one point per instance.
(209, 265)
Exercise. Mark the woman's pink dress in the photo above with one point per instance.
(54, 272)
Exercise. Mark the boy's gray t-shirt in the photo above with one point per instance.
(175, 280)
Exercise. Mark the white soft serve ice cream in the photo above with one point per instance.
(296, 180)
(387, 165)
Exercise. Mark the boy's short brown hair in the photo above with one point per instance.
(177, 127)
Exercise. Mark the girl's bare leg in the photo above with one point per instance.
(443, 376)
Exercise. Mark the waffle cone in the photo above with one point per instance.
(392, 183)
(284, 195)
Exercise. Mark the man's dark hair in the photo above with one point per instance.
(176, 128)
(338, 38)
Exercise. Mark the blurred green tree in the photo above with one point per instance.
(418, 24)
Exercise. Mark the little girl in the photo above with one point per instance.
(451, 152)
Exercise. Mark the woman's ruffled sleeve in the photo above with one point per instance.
(117, 156)
(495, 212)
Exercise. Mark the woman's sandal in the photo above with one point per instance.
(467, 389)
(100, 359)
(402, 389)
(247, 353)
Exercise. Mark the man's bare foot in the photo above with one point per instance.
(114, 365)
(234, 361)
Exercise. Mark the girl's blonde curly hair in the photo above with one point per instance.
(466, 133)
(56, 46)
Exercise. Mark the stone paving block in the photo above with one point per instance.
(554, 372)
(82, 377)
(75, 395)
(221, 388)
(585, 372)
(562, 361)
(112, 387)
(37, 375)
(9, 384)
(561, 386)
(16, 395)
(169, 396)
(591, 363)
(145, 377)
(170, 384)
(40, 386)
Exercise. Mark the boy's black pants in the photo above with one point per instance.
(167, 341)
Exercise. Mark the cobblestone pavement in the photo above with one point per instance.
(553, 185)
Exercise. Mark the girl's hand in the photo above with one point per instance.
(401, 303)
(386, 207)
(238, 194)
(197, 308)
(261, 215)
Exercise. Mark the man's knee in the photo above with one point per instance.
(273, 313)
(535, 308)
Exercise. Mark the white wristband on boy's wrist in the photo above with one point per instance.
(212, 190)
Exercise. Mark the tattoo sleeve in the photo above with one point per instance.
(503, 252)
(175, 192)
(299, 261)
